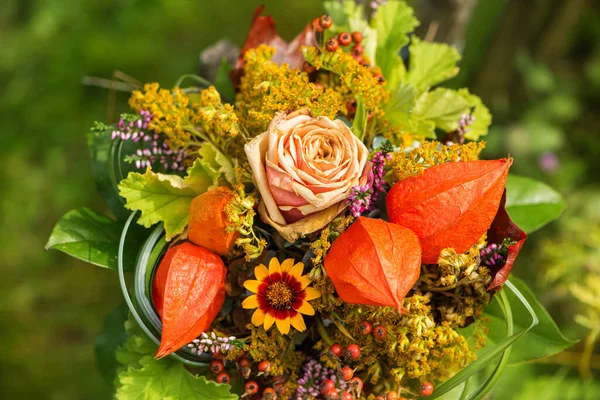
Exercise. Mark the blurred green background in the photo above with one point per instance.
(535, 63)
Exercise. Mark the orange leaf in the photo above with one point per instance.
(208, 222)
(450, 205)
(374, 262)
(188, 292)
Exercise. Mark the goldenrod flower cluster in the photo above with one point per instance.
(267, 88)
(354, 77)
(240, 215)
(170, 112)
(214, 116)
(405, 164)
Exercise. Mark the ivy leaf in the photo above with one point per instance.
(167, 380)
(431, 63)
(443, 107)
(91, 237)
(166, 198)
(543, 340)
(392, 22)
(532, 204)
(483, 117)
(108, 340)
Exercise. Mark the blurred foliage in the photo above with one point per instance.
(535, 64)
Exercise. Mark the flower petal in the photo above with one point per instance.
(274, 266)
(311, 293)
(283, 325)
(306, 308)
(297, 270)
(287, 265)
(269, 320)
(250, 302)
(304, 281)
(252, 285)
(261, 272)
(298, 322)
(258, 317)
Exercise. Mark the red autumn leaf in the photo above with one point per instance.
(503, 227)
(374, 262)
(263, 31)
(450, 205)
(188, 291)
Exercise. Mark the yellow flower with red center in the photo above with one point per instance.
(282, 295)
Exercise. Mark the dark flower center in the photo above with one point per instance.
(280, 295)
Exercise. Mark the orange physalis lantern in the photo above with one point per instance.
(450, 205)
(208, 222)
(188, 292)
(374, 262)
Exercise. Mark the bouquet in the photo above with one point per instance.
(313, 224)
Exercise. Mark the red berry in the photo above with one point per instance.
(336, 349)
(218, 356)
(380, 332)
(223, 377)
(309, 69)
(366, 327)
(325, 21)
(357, 50)
(331, 395)
(351, 107)
(217, 366)
(243, 362)
(393, 395)
(327, 385)
(344, 38)
(251, 387)
(347, 373)
(426, 389)
(332, 44)
(379, 398)
(264, 366)
(358, 59)
(356, 383)
(357, 37)
(353, 351)
(380, 78)
(347, 396)
(269, 394)
(316, 24)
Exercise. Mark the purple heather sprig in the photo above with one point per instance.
(154, 148)
(363, 198)
(313, 375)
(458, 136)
(495, 255)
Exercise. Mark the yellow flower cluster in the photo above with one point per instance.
(405, 164)
(354, 77)
(240, 215)
(169, 111)
(214, 116)
(267, 88)
(415, 346)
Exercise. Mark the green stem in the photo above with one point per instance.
(193, 77)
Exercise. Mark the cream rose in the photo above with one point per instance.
(305, 169)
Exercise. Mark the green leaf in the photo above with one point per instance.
(392, 22)
(543, 340)
(108, 340)
(223, 82)
(167, 380)
(483, 118)
(443, 107)
(532, 204)
(91, 237)
(400, 112)
(360, 119)
(166, 198)
(217, 163)
(431, 63)
(136, 346)
(102, 149)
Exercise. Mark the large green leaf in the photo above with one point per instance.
(167, 380)
(108, 340)
(443, 107)
(393, 21)
(543, 340)
(92, 237)
(532, 204)
(431, 63)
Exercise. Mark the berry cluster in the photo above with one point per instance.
(243, 366)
